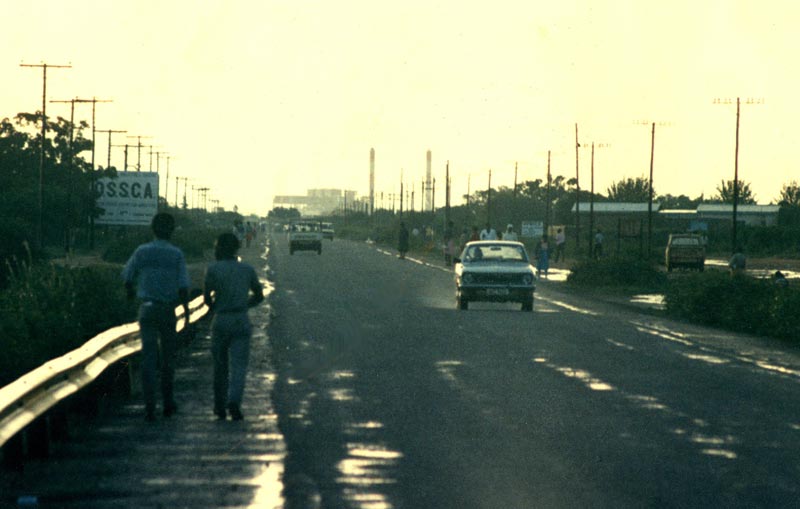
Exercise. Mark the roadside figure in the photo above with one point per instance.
(402, 241)
(561, 240)
(474, 235)
(449, 243)
(230, 288)
(510, 234)
(249, 234)
(156, 273)
(543, 256)
(238, 230)
(738, 262)
(488, 233)
(598, 244)
(780, 279)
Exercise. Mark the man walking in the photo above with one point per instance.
(156, 273)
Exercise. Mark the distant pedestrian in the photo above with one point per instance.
(231, 287)
(738, 262)
(598, 244)
(157, 274)
(543, 257)
(561, 240)
(510, 234)
(249, 233)
(239, 230)
(488, 233)
(402, 241)
(474, 235)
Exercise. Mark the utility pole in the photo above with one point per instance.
(650, 184)
(734, 239)
(109, 131)
(68, 222)
(139, 150)
(447, 193)
(401, 193)
(547, 202)
(94, 102)
(577, 194)
(591, 198)
(514, 194)
(125, 152)
(489, 199)
(40, 214)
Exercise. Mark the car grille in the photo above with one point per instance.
(498, 279)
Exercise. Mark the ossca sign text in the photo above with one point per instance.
(129, 199)
(114, 189)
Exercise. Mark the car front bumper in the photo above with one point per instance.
(496, 293)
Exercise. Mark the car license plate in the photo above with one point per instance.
(497, 291)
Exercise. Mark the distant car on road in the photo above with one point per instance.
(327, 231)
(305, 236)
(685, 250)
(494, 271)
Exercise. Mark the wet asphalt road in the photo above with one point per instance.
(388, 397)
(367, 389)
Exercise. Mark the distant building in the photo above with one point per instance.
(751, 215)
(612, 208)
(317, 202)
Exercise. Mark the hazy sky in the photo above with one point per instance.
(254, 98)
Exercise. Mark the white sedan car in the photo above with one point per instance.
(494, 271)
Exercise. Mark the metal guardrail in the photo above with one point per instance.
(33, 394)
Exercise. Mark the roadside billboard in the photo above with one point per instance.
(532, 229)
(129, 199)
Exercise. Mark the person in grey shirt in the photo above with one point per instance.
(231, 287)
(156, 273)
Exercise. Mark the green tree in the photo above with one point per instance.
(725, 193)
(790, 194)
(631, 190)
(682, 201)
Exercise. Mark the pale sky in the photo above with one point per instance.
(254, 98)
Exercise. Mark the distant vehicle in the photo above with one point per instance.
(685, 250)
(305, 236)
(327, 231)
(494, 271)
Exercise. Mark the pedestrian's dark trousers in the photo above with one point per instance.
(157, 327)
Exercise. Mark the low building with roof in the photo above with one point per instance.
(751, 215)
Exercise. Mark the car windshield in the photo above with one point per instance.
(495, 253)
(685, 241)
(305, 227)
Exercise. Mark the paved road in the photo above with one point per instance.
(369, 390)
(389, 397)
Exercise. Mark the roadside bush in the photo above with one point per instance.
(617, 272)
(741, 304)
(194, 242)
(47, 311)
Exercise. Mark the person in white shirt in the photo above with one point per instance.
(510, 234)
(561, 239)
(488, 233)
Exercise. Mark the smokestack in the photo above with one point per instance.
(371, 181)
(428, 185)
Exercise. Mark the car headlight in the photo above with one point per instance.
(467, 278)
(527, 279)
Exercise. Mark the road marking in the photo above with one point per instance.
(569, 307)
